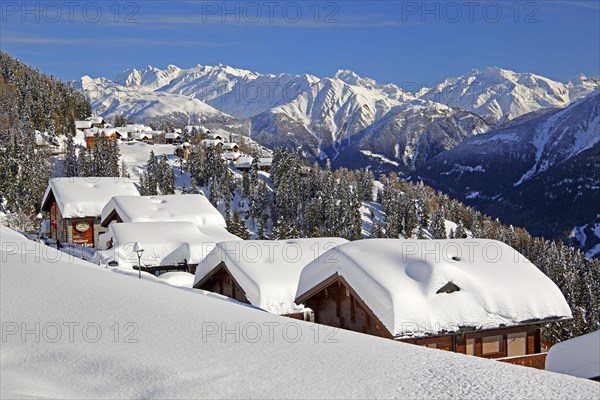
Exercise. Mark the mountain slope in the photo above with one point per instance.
(408, 136)
(500, 95)
(109, 99)
(538, 171)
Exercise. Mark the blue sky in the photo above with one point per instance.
(402, 42)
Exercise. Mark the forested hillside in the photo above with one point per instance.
(30, 101)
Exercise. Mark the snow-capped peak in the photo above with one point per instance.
(501, 94)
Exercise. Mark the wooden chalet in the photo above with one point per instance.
(373, 287)
(168, 246)
(93, 135)
(75, 205)
(262, 273)
(193, 208)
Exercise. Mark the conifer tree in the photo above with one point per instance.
(437, 226)
(71, 165)
(237, 227)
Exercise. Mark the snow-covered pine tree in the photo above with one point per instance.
(437, 224)
(151, 176)
(84, 160)
(71, 165)
(166, 183)
(237, 227)
(113, 156)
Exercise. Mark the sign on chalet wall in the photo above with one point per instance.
(82, 226)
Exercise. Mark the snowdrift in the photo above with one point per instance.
(173, 343)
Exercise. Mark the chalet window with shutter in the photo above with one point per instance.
(492, 344)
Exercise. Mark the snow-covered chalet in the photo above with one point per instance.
(473, 296)
(75, 206)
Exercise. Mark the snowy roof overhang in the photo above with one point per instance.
(423, 287)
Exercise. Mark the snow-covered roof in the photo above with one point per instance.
(268, 271)
(164, 243)
(178, 278)
(141, 135)
(211, 142)
(85, 197)
(174, 326)
(91, 132)
(579, 356)
(138, 128)
(212, 136)
(231, 155)
(194, 208)
(124, 132)
(95, 120)
(265, 161)
(108, 131)
(229, 146)
(399, 281)
(244, 162)
(172, 135)
(83, 124)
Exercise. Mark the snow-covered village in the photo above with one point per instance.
(208, 231)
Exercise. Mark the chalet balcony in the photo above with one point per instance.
(537, 361)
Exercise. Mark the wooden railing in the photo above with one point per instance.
(531, 360)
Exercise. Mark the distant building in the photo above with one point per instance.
(75, 206)
(244, 163)
(210, 143)
(172, 137)
(477, 297)
(213, 136)
(94, 134)
(97, 122)
(142, 136)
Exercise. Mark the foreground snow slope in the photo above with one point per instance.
(174, 359)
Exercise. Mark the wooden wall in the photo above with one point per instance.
(336, 305)
(223, 283)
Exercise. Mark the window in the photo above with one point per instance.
(471, 347)
(517, 344)
(491, 344)
(448, 288)
(432, 345)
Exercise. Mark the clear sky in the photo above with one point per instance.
(402, 42)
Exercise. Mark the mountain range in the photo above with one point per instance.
(326, 115)
(503, 141)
